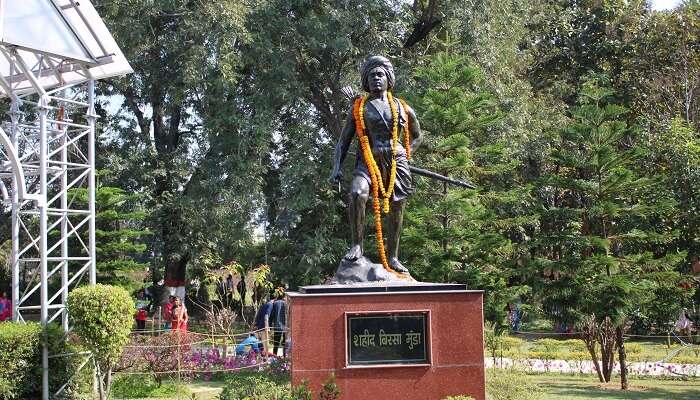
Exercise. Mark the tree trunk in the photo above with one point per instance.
(589, 329)
(624, 385)
(594, 359)
(606, 338)
(100, 382)
(108, 385)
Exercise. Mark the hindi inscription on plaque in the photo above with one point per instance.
(391, 338)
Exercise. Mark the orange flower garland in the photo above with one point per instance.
(406, 132)
(378, 189)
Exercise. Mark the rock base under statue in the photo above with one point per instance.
(363, 270)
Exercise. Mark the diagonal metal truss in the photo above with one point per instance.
(47, 176)
(51, 53)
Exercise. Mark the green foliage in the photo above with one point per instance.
(136, 387)
(633, 348)
(119, 234)
(573, 221)
(253, 386)
(102, 317)
(598, 215)
(256, 386)
(301, 392)
(20, 354)
(20, 349)
(574, 345)
(455, 234)
(329, 389)
(548, 345)
(510, 385)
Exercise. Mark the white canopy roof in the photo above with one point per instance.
(62, 42)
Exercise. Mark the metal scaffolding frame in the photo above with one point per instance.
(47, 151)
(52, 194)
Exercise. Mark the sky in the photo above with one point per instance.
(664, 4)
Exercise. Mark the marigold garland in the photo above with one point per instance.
(379, 190)
(406, 132)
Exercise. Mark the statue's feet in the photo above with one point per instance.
(398, 267)
(354, 253)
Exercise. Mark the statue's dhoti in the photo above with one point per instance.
(404, 183)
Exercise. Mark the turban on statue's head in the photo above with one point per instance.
(372, 63)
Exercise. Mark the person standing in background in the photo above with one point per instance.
(179, 316)
(168, 313)
(5, 307)
(278, 318)
(262, 324)
(141, 310)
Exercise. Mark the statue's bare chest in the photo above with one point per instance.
(378, 119)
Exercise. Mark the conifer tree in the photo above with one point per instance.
(595, 237)
(452, 234)
(120, 234)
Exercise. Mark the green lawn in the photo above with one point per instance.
(554, 387)
(565, 387)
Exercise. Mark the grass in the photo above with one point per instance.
(550, 386)
(561, 387)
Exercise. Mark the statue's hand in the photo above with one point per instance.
(336, 177)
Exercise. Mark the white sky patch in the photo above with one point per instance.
(664, 4)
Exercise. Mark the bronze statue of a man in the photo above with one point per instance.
(380, 121)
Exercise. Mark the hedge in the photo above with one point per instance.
(20, 350)
(20, 361)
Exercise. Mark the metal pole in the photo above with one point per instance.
(14, 116)
(91, 118)
(64, 220)
(43, 111)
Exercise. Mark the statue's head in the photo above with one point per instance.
(377, 67)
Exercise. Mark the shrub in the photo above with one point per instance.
(548, 345)
(633, 348)
(20, 357)
(20, 349)
(138, 387)
(574, 345)
(161, 356)
(102, 316)
(458, 398)
(253, 386)
(510, 385)
(509, 342)
(497, 345)
(580, 356)
(64, 369)
(329, 390)
(256, 386)
(685, 360)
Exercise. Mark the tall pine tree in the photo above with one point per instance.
(595, 238)
(454, 234)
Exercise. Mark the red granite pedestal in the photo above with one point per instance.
(454, 340)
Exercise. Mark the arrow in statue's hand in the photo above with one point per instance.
(350, 93)
(434, 175)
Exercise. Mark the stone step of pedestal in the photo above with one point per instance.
(378, 287)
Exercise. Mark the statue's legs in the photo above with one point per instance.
(359, 193)
(394, 225)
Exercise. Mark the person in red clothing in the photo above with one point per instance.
(141, 310)
(179, 316)
(168, 313)
(5, 307)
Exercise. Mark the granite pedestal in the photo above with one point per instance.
(389, 341)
